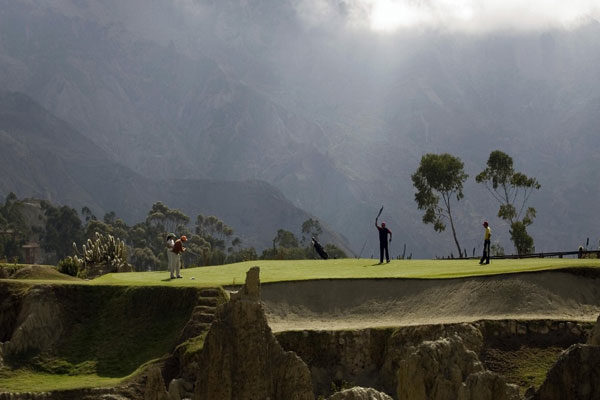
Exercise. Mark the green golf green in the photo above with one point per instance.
(295, 270)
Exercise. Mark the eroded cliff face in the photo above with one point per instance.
(241, 358)
(594, 339)
(446, 369)
(359, 393)
(80, 329)
(405, 341)
(373, 357)
(576, 374)
(236, 355)
(39, 323)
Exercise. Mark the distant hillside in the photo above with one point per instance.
(334, 117)
(166, 112)
(42, 156)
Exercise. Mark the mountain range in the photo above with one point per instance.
(333, 116)
(43, 157)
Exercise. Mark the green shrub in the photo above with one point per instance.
(69, 266)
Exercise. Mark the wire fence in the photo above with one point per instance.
(559, 254)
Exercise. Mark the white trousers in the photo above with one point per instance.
(177, 264)
(173, 262)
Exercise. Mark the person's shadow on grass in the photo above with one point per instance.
(372, 265)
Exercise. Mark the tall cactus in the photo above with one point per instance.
(101, 256)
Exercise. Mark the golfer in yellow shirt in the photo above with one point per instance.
(486, 244)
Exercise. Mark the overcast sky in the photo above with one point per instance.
(387, 16)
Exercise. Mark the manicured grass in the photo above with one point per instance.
(23, 380)
(349, 268)
(292, 270)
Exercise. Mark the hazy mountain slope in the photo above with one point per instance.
(385, 101)
(390, 100)
(42, 156)
(165, 113)
(161, 110)
(337, 118)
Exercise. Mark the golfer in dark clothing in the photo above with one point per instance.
(383, 242)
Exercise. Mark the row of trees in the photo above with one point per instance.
(439, 180)
(13, 229)
(210, 240)
(58, 227)
(55, 227)
(286, 245)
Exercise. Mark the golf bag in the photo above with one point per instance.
(319, 249)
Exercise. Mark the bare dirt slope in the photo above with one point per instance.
(353, 304)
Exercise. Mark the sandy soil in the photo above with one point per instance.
(354, 304)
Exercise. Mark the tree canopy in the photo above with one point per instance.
(210, 240)
(511, 189)
(311, 228)
(63, 227)
(287, 247)
(285, 239)
(13, 230)
(439, 176)
(167, 218)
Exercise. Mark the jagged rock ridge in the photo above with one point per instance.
(241, 358)
(576, 374)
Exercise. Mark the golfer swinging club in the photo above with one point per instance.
(383, 242)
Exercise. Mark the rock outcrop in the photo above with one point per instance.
(487, 385)
(338, 357)
(436, 370)
(155, 386)
(242, 360)
(25, 396)
(594, 339)
(445, 369)
(359, 393)
(576, 373)
(74, 394)
(405, 340)
(574, 376)
(180, 389)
